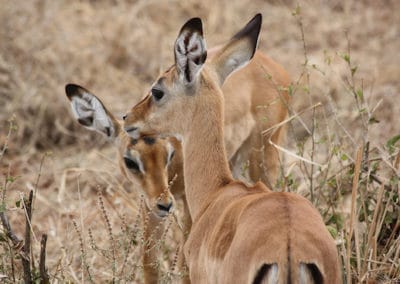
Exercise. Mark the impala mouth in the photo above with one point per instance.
(161, 213)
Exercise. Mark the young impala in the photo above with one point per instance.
(240, 234)
(257, 100)
(147, 162)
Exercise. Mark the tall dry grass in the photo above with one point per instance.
(342, 150)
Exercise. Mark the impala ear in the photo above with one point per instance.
(239, 50)
(90, 112)
(190, 50)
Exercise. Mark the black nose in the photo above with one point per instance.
(164, 207)
(124, 117)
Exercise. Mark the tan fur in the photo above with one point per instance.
(153, 185)
(256, 99)
(236, 228)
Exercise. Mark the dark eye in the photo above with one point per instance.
(157, 94)
(131, 164)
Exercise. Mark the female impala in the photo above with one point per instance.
(253, 106)
(144, 162)
(240, 234)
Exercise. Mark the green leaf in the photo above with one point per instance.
(373, 120)
(332, 231)
(10, 179)
(296, 11)
(291, 90)
(354, 70)
(360, 94)
(3, 207)
(338, 220)
(346, 57)
(390, 144)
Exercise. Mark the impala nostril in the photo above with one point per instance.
(124, 117)
(164, 207)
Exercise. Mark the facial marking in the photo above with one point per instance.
(171, 152)
(149, 140)
(133, 161)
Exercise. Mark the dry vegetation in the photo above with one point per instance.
(342, 153)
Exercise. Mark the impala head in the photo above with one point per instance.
(176, 95)
(143, 161)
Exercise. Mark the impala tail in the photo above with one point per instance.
(307, 273)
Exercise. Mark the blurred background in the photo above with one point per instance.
(343, 54)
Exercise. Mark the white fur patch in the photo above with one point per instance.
(272, 276)
(305, 275)
(135, 156)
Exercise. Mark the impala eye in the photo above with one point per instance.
(131, 164)
(157, 94)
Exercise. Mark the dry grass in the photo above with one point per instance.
(343, 54)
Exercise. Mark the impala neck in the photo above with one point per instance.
(205, 163)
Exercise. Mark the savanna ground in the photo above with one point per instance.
(342, 149)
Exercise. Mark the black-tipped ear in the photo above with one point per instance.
(251, 30)
(193, 25)
(74, 90)
(90, 112)
(190, 50)
(239, 50)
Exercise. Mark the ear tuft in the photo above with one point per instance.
(239, 50)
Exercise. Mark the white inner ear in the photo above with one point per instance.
(238, 61)
(188, 54)
(171, 151)
(89, 108)
(234, 62)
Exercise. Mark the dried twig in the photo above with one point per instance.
(358, 166)
(26, 261)
(42, 262)
(17, 242)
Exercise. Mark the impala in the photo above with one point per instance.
(147, 162)
(240, 233)
(257, 100)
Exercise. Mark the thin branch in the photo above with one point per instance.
(44, 277)
(26, 263)
(17, 242)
